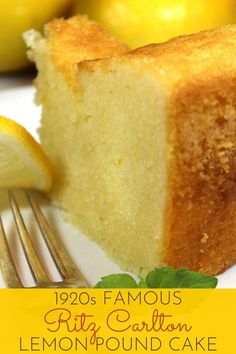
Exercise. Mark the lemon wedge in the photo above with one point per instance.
(23, 163)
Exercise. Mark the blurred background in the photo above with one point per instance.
(137, 22)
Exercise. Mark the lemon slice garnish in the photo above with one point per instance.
(23, 163)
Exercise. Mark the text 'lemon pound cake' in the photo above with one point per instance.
(143, 142)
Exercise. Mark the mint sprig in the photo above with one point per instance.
(165, 277)
(117, 281)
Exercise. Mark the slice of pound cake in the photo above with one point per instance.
(143, 142)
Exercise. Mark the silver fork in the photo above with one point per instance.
(71, 277)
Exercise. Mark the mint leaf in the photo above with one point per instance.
(117, 281)
(156, 276)
(142, 284)
(167, 277)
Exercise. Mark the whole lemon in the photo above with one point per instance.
(17, 16)
(139, 22)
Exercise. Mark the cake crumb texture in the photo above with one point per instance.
(143, 142)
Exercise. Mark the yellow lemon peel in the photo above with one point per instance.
(23, 163)
(140, 22)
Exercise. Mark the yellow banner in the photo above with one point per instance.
(117, 321)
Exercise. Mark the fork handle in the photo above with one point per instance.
(7, 265)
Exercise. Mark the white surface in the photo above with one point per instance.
(17, 103)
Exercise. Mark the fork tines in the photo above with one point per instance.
(71, 277)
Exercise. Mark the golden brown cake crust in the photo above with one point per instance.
(201, 212)
(196, 46)
(77, 39)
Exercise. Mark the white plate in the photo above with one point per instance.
(17, 103)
